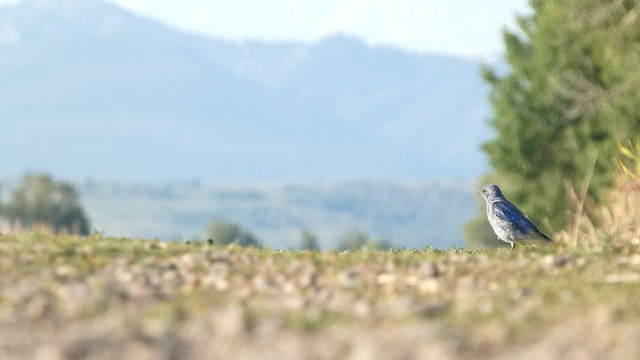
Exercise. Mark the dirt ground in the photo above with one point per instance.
(95, 298)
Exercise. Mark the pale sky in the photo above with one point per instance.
(463, 27)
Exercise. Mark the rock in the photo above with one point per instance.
(551, 261)
(429, 286)
(349, 278)
(622, 278)
(65, 271)
(386, 279)
(230, 322)
(428, 269)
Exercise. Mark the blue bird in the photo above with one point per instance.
(507, 221)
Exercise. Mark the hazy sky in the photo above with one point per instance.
(464, 27)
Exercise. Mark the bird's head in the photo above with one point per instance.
(490, 191)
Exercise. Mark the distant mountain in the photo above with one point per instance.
(91, 90)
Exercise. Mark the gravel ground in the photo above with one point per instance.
(97, 298)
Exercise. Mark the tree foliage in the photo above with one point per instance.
(40, 201)
(308, 241)
(355, 239)
(571, 93)
(225, 233)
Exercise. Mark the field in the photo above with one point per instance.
(410, 214)
(106, 298)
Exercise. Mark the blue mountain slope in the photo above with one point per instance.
(92, 90)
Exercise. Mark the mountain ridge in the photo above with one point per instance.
(96, 84)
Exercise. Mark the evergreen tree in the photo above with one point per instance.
(570, 94)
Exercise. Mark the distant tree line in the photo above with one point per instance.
(355, 239)
(40, 202)
(225, 233)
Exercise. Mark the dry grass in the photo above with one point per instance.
(618, 220)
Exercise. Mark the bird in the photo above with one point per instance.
(508, 222)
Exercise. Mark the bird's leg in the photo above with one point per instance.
(513, 245)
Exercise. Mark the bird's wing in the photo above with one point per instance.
(506, 211)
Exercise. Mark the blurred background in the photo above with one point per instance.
(290, 122)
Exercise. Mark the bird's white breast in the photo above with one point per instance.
(500, 227)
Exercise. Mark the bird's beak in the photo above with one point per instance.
(478, 192)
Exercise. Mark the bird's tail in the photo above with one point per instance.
(542, 236)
